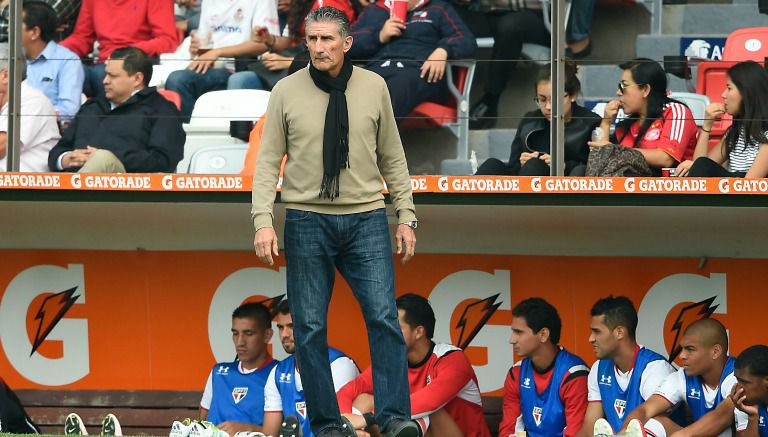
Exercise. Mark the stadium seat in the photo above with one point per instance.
(220, 159)
(171, 96)
(748, 44)
(696, 102)
(454, 115)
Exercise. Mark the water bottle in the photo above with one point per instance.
(473, 161)
(597, 134)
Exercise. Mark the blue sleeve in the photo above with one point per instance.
(365, 32)
(71, 78)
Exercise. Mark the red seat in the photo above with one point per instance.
(454, 114)
(748, 44)
(171, 96)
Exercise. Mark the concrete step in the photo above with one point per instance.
(657, 46)
(600, 82)
(715, 18)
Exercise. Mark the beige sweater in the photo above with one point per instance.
(295, 127)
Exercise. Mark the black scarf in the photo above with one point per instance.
(336, 133)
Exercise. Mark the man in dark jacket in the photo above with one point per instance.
(130, 129)
(13, 418)
(411, 54)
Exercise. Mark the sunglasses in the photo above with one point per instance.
(623, 86)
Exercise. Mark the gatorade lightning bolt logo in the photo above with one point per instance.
(473, 319)
(50, 313)
(688, 315)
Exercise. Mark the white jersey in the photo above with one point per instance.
(225, 23)
(650, 380)
(673, 389)
(343, 370)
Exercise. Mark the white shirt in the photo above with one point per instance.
(650, 380)
(343, 370)
(39, 129)
(673, 389)
(225, 23)
(205, 402)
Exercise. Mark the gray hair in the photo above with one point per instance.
(329, 14)
(5, 60)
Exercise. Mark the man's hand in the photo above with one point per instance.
(231, 427)
(265, 244)
(203, 62)
(738, 397)
(546, 158)
(525, 156)
(434, 67)
(275, 62)
(393, 27)
(406, 241)
(77, 157)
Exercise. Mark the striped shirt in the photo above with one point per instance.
(742, 156)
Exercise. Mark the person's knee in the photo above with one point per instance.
(102, 161)
(179, 79)
(244, 80)
(363, 403)
(534, 167)
(704, 167)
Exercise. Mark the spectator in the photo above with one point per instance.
(512, 24)
(745, 144)
(187, 15)
(750, 395)
(545, 367)
(444, 391)
(530, 154)
(224, 33)
(39, 130)
(132, 128)
(13, 418)
(147, 25)
(284, 392)
(411, 55)
(51, 68)
(660, 128)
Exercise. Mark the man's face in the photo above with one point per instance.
(409, 333)
(284, 324)
(602, 338)
(524, 341)
(695, 355)
(118, 84)
(755, 387)
(249, 338)
(326, 46)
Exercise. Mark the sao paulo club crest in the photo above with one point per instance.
(537, 412)
(301, 408)
(239, 393)
(620, 406)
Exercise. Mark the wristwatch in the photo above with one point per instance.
(413, 225)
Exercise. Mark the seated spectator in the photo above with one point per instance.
(147, 25)
(39, 130)
(251, 331)
(703, 384)
(51, 68)
(750, 394)
(549, 377)
(660, 128)
(530, 154)
(284, 393)
(411, 54)
(224, 33)
(13, 418)
(132, 128)
(187, 15)
(745, 144)
(445, 396)
(512, 24)
(74, 425)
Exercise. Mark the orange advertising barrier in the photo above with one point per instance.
(420, 184)
(160, 320)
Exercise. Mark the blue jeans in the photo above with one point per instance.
(245, 80)
(93, 85)
(358, 246)
(190, 85)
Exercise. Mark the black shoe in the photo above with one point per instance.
(402, 428)
(290, 427)
(347, 430)
(482, 116)
(586, 51)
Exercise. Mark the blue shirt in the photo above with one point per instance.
(544, 413)
(238, 396)
(58, 73)
(694, 392)
(762, 423)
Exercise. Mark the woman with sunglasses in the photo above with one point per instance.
(661, 128)
(530, 148)
(745, 144)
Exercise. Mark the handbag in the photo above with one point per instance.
(613, 160)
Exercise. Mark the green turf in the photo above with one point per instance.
(5, 434)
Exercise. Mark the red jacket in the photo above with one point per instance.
(145, 24)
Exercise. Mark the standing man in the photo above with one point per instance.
(545, 394)
(750, 394)
(335, 216)
(625, 374)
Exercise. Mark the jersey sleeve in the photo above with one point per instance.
(273, 402)
(678, 131)
(740, 418)
(654, 374)
(347, 394)
(672, 388)
(205, 402)
(593, 390)
(510, 410)
(573, 392)
(453, 372)
(343, 370)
